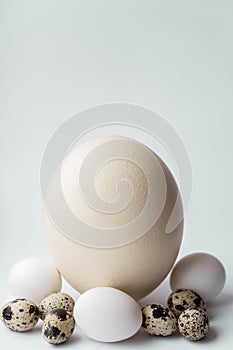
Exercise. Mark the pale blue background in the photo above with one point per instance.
(175, 57)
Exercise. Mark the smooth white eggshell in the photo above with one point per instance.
(107, 314)
(200, 272)
(34, 279)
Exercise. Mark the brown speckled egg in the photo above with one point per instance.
(58, 326)
(56, 301)
(182, 299)
(20, 315)
(158, 320)
(193, 323)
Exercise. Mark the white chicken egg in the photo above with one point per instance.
(200, 272)
(34, 278)
(107, 314)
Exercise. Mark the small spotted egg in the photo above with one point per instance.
(20, 315)
(56, 301)
(193, 323)
(158, 320)
(58, 326)
(182, 299)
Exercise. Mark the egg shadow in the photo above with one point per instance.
(141, 337)
(74, 338)
(210, 336)
(224, 299)
(213, 307)
(30, 332)
(35, 330)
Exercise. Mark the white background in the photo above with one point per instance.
(175, 57)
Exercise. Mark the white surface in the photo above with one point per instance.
(58, 57)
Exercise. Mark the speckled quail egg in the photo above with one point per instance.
(58, 326)
(182, 299)
(158, 320)
(20, 315)
(193, 323)
(56, 301)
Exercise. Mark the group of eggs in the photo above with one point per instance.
(56, 311)
(108, 314)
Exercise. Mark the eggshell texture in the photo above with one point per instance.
(108, 315)
(200, 272)
(20, 315)
(158, 320)
(182, 299)
(193, 324)
(58, 326)
(34, 278)
(56, 301)
(136, 266)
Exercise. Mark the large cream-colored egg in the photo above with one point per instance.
(109, 206)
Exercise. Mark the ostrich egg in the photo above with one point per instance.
(113, 216)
